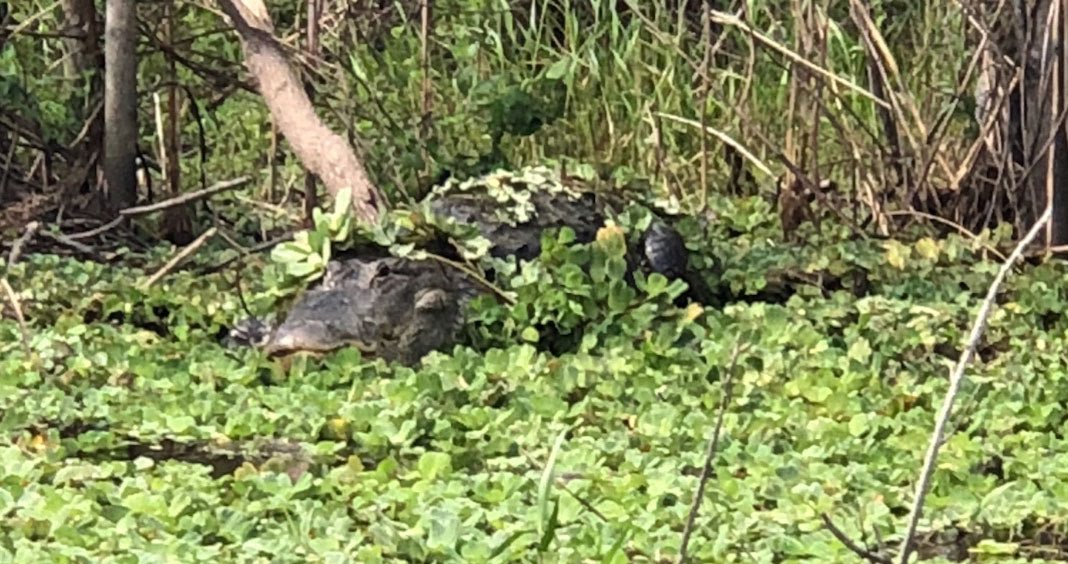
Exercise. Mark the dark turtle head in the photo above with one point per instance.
(392, 308)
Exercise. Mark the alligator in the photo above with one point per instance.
(401, 308)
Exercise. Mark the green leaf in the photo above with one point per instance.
(434, 464)
(304, 269)
(343, 202)
(817, 394)
(620, 295)
(558, 69)
(860, 350)
(546, 482)
(180, 423)
(326, 252)
(529, 334)
(550, 527)
(402, 250)
(288, 252)
(145, 503)
(858, 424)
(897, 254)
(928, 248)
(995, 548)
(444, 529)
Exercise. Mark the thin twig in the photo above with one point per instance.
(180, 256)
(426, 115)
(258, 248)
(9, 292)
(184, 198)
(960, 228)
(87, 124)
(722, 137)
(473, 273)
(955, 380)
(710, 454)
(234, 244)
(848, 542)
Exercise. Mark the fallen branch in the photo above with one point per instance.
(710, 454)
(98, 230)
(16, 247)
(179, 257)
(184, 198)
(955, 381)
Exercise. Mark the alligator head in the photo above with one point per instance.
(392, 308)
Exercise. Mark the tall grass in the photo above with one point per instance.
(787, 86)
(788, 83)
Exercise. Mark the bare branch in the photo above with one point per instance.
(80, 247)
(955, 380)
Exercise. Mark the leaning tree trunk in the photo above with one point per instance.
(120, 103)
(322, 151)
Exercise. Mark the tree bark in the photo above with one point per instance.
(1032, 121)
(84, 69)
(83, 53)
(120, 103)
(323, 152)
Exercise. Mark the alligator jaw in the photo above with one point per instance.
(307, 338)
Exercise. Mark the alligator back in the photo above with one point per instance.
(512, 210)
(521, 236)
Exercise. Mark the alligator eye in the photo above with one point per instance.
(381, 271)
